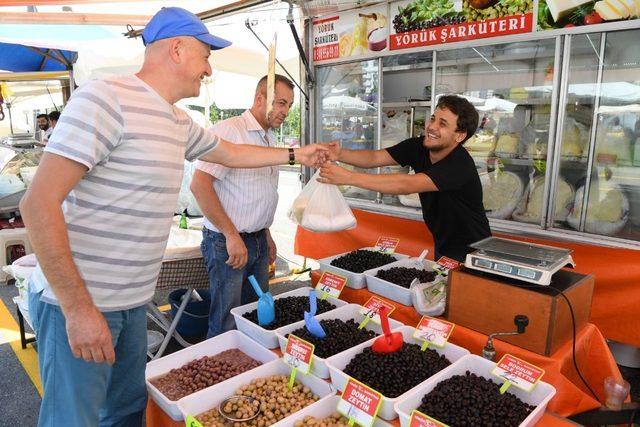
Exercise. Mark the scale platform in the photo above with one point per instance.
(518, 260)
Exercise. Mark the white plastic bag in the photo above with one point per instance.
(185, 197)
(321, 208)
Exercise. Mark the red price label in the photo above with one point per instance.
(359, 403)
(298, 354)
(331, 284)
(435, 331)
(418, 419)
(372, 307)
(518, 372)
(387, 245)
(448, 263)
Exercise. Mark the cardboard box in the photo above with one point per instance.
(488, 303)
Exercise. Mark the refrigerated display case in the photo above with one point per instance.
(558, 113)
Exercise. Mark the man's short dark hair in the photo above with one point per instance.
(42, 116)
(262, 84)
(54, 115)
(467, 114)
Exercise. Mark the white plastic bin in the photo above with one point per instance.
(350, 311)
(227, 341)
(539, 397)
(321, 410)
(265, 337)
(392, 291)
(204, 400)
(355, 280)
(338, 362)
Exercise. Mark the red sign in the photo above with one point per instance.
(418, 419)
(495, 27)
(448, 263)
(331, 284)
(359, 402)
(298, 354)
(387, 245)
(435, 331)
(372, 308)
(326, 39)
(518, 372)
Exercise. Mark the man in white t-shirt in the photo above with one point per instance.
(98, 213)
(239, 205)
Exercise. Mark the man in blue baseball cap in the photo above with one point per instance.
(108, 183)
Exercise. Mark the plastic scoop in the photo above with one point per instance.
(313, 326)
(266, 307)
(390, 342)
(419, 261)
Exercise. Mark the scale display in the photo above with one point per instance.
(518, 260)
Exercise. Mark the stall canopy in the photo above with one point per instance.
(20, 58)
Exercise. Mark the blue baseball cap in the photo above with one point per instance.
(174, 22)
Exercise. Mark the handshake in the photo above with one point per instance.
(322, 156)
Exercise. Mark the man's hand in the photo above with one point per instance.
(313, 155)
(273, 250)
(330, 173)
(335, 149)
(237, 250)
(89, 335)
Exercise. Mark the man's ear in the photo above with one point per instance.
(460, 136)
(175, 49)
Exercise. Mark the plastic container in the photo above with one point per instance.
(227, 341)
(391, 290)
(209, 398)
(355, 280)
(350, 311)
(194, 321)
(616, 390)
(322, 410)
(539, 397)
(264, 336)
(338, 362)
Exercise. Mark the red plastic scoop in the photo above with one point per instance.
(389, 342)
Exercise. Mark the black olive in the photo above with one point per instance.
(362, 260)
(289, 310)
(340, 336)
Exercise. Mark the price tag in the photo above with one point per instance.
(418, 419)
(433, 331)
(448, 263)
(387, 245)
(190, 421)
(359, 403)
(331, 285)
(371, 309)
(298, 354)
(518, 373)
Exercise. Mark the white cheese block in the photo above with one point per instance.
(561, 8)
(611, 10)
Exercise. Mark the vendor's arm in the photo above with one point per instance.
(360, 158)
(385, 183)
(211, 207)
(88, 333)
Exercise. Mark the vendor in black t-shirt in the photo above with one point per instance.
(446, 177)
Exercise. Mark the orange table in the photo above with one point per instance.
(616, 296)
(593, 356)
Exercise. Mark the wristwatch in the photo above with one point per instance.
(292, 157)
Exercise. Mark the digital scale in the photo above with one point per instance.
(518, 260)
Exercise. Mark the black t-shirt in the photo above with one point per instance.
(455, 213)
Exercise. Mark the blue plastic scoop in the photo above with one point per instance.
(266, 307)
(313, 326)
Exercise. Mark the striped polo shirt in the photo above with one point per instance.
(248, 196)
(118, 216)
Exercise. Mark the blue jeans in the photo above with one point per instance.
(79, 393)
(229, 287)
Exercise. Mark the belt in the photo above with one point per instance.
(253, 233)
